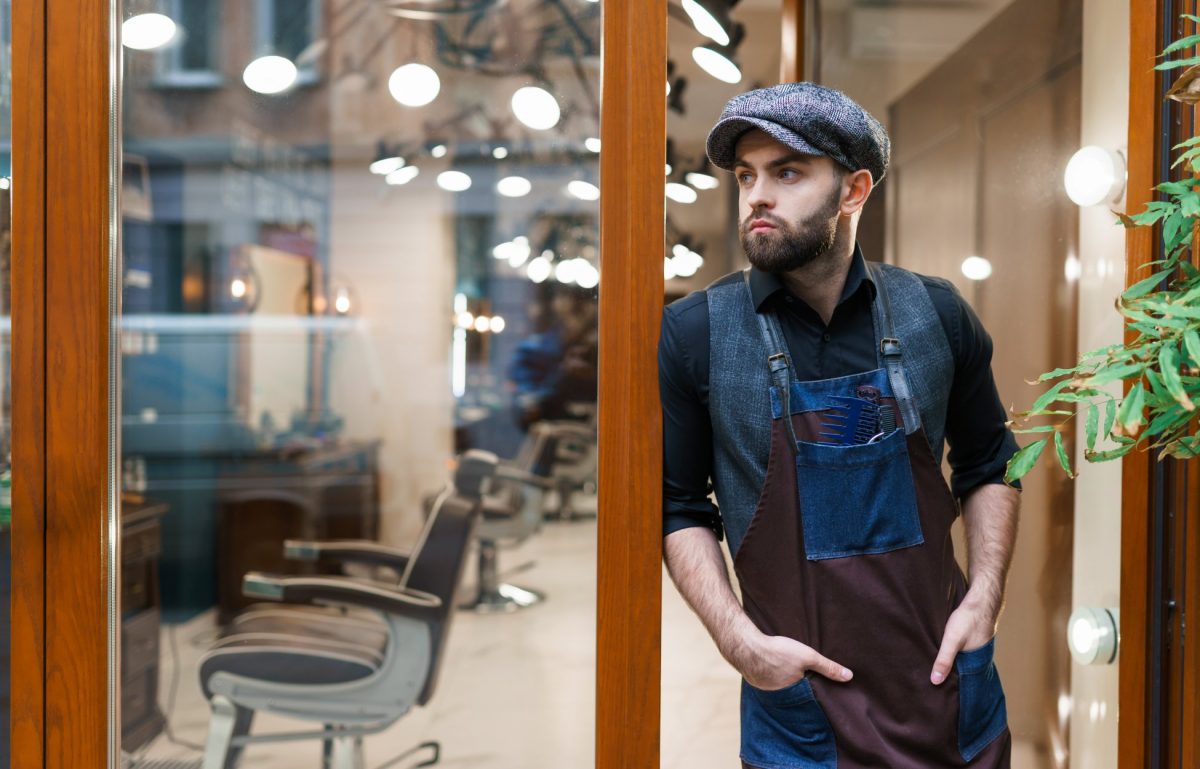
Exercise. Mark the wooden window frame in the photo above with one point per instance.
(62, 706)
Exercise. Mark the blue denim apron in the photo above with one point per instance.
(849, 551)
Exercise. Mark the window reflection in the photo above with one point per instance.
(360, 248)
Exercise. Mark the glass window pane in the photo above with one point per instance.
(359, 365)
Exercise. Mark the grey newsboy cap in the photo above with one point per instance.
(809, 118)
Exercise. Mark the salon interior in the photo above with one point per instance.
(359, 310)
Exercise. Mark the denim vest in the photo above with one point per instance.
(739, 385)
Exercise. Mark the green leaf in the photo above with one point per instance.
(1129, 416)
(1035, 429)
(1024, 460)
(1061, 451)
(1056, 373)
(1104, 456)
(1179, 63)
(1175, 309)
(1049, 396)
(1144, 286)
(1189, 204)
(1110, 414)
(1168, 363)
(1187, 143)
(1171, 229)
(1093, 425)
(1176, 188)
(1191, 343)
(1106, 374)
(1180, 44)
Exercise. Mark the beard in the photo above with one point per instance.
(789, 247)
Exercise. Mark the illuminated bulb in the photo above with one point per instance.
(270, 75)
(464, 320)
(583, 190)
(717, 64)
(438, 151)
(496, 324)
(1092, 635)
(976, 268)
(1073, 268)
(592, 144)
(237, 288)
(587, 276)
(705, 23)
(535, 107)
(403, 176)
(414, 85)
(513, 186)
(454, 181)
(1095, 175)
(701, 181)
(483, 324)
(668, 269)
(147, 31)
(500, 153)
(5, 182)
(385, 166)
(341, 301)
(504, 250)
(681, 193)
(539, 269)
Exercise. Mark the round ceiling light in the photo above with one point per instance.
(454, 181)
(414, 85)
(270, 75)
(717, 64)
(514, 186)
(147, 31)
(535, 107)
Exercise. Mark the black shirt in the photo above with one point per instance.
(980, 442)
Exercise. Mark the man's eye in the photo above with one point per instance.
(791, 171)
(742, 178)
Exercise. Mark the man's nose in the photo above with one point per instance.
(758, 196)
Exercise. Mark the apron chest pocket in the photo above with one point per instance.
(857, 500)
(786, 729)
(982, 714)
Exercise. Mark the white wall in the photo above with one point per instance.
(1098, 489)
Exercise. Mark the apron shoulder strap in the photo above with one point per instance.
(778, 361)
(889, 350)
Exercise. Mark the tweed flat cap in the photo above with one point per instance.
(809, 118)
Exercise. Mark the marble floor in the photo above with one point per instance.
(516, 691)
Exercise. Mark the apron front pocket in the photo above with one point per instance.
(786, 729)
(858, 499)
(982, 713)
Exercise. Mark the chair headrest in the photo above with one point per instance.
(475, 468)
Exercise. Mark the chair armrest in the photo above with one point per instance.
(347, 551)
(510, 473)
(342, 590)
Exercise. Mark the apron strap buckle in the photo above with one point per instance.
(889, 346)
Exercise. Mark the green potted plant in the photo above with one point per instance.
(1162, 362)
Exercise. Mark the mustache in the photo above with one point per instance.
(768, 219)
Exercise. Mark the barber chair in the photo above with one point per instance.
(572, 468)
(512, 513)
(352, 655)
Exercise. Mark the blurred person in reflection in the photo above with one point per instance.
(813, 392)
(553, 371)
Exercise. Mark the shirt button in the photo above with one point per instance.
(827, 337)
(788, 299)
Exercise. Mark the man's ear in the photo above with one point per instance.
(856, 188)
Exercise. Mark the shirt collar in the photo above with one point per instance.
(764, 285)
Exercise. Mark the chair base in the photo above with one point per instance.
(504, 599)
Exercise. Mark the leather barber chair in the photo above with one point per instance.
(349, 655)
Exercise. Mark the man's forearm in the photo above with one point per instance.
(990, 519)
(697, 566)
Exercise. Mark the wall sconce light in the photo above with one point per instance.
(1093, 635)
(1095, 175)
(976, 268)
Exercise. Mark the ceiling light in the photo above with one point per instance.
(1095, 175)
(513, 186)
(499, 153)
(668, 269)
(414, 85)
(483, 324)
(701, 180)
(592, 143)
(269, 75)
(717, 64)
(385, 165)
(681, 193)
(535, 107)
(147, 31)
(464, 320)
(583, 190)
(496, 324)
(976, 268)
(5, 182)
(705, 21)
(564, 271)
(587, 276)
(539, 269)
(438, 151)
(402, 176)
(454, 181)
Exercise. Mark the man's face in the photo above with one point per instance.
(789, 203)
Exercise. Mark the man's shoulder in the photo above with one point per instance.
(692, 310)
(946, 299)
